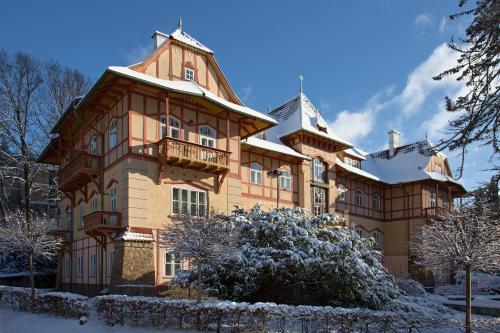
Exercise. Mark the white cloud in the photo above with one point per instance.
(420, 83)
(137, 54)
(443, 24)
(247, 94)
(424, 20)
(354, 126)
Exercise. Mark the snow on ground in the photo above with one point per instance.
(481, 284)
(23, 322)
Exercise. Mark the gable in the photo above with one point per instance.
(170, 60)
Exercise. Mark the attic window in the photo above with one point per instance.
(352, 162)
(437, 168)
(189, 74)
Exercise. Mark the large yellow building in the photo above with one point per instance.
(168, 136)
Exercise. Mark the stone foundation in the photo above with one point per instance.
(133, 264)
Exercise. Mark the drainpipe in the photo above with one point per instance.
(405, 209)
(101, 185)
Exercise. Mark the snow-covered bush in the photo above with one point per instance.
(410, 287)
(287, 256)
(481, 283)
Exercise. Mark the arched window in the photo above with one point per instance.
(93, 146)
(319, 170)
(113, 134)
(341, 192)
(285, 180)
(376, 201)
(359, 197)
(255, 173)
(207, 136)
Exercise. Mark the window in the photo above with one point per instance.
(113, 199)
(113, 134)
(352, 162)
(437, 168)
(359, 197)
(173, 264)
(376, 201)
(376, 238)
(92, 265)
(174, 126)
(319, 174)
(207, 136)
(69, 220)
(111, 258)
(189, 202)
(433, 199)
(79, 266)
(67, 266)
(285, 180)
(341, 192)
(188, 74)
(360, 233)
(81, 213)
(93, 146)
(93, 203)
(319, 200)
(255, 173)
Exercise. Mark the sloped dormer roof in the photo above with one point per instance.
(299, 114)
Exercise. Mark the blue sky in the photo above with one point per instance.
(366, 64)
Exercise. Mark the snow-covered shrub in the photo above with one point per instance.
(410, 287)
(481, 283)
(287, 256)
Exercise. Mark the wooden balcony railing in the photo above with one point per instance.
(433, 212)
(193, 156)
(102, 221)
(79, 171)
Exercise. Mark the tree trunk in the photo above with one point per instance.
(32, 277)
(198, 296)
(468, 300)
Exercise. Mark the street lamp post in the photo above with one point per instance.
(276, 173)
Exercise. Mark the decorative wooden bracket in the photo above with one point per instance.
(219, 181)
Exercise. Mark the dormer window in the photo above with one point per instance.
(188, 74)
(437, 168)
(352, 162)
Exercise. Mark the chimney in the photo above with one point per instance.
(158, 39)
(393, 141)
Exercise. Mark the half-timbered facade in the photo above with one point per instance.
(168, 136)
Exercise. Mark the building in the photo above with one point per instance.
(168, 136)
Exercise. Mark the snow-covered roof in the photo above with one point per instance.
(191, 88)
(185, 38)
(356, 152)
(407, 165)
(272, 146)
(128, 235)
(300, 114)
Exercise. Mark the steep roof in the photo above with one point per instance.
(185, 38)
(300, 114)
(407, 165)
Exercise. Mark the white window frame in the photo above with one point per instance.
(189, 202)
(93, 204)
(208, 140)
(359, 197)
(111, 258)
(376, 201)
(285, 180)
(81, 213)
(113, 199)
(341, 190)
(255, 173)
(169, 259)
(113, 134)
(79, 266)
(188, 74)
(318, 170)
(437, 168)
(93, 146)
(174, 127)
(93, 265)
(377, 238)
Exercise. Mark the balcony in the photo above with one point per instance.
(79, 171)
(102, 223)
(62, 233)
(434, 212)
(192, 156)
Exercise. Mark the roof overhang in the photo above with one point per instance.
(338, 145)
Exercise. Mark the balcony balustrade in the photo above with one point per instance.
(79, 171)
(192, 156)
(102, 222)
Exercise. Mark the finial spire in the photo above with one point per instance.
(179, 25)
(301, 78)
